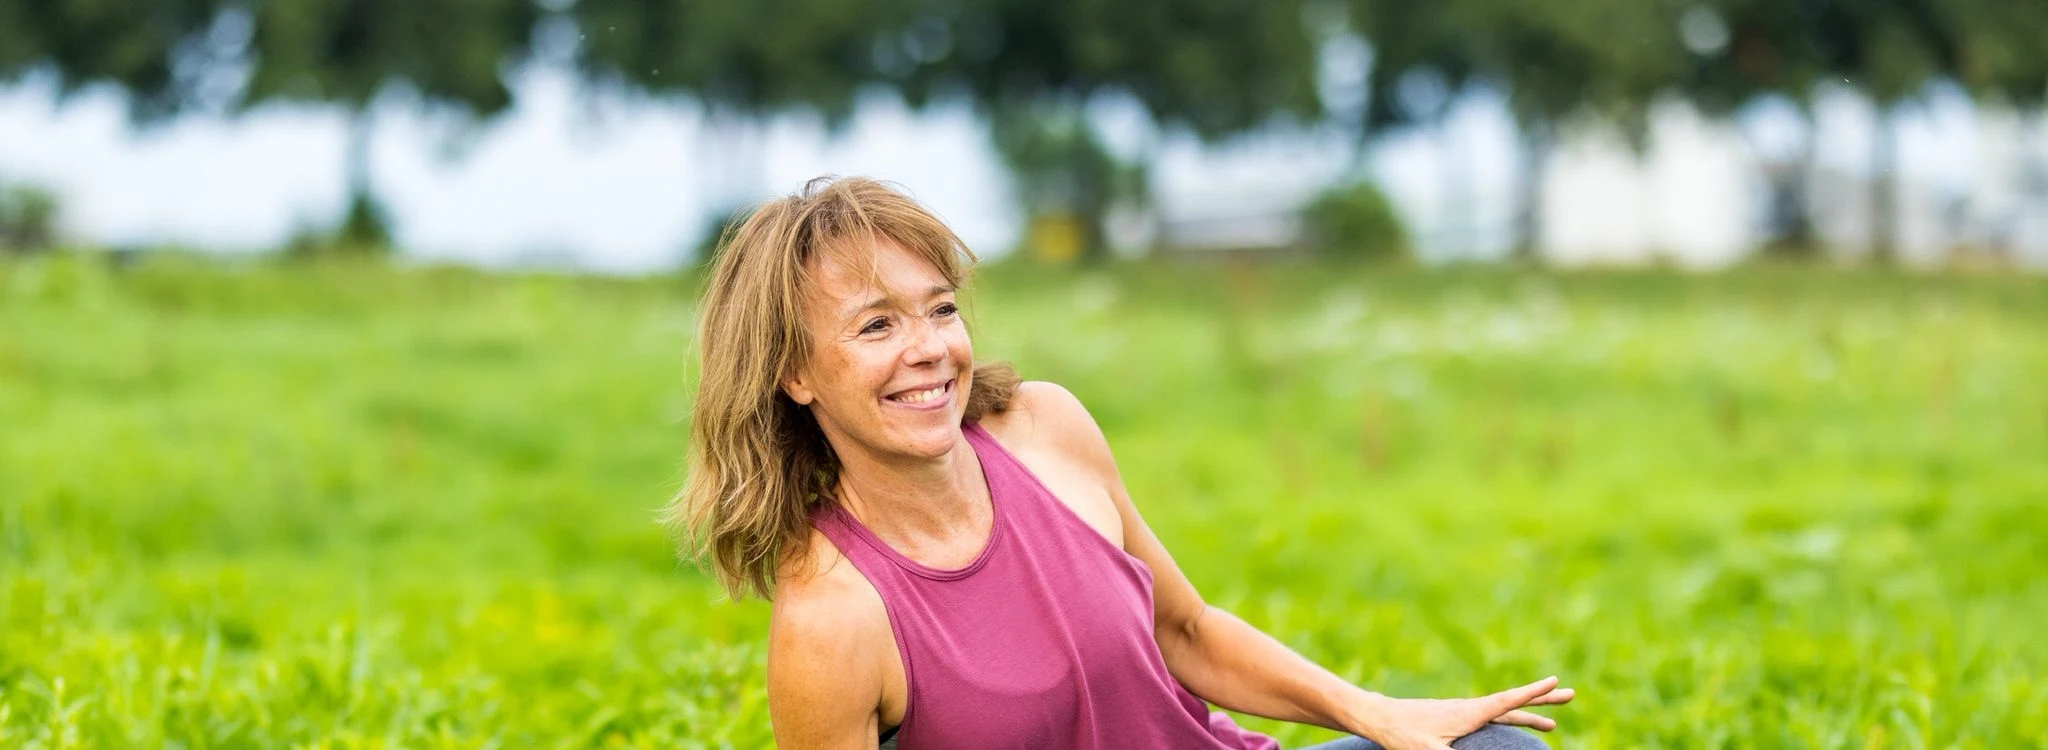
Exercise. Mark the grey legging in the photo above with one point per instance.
(1489, 737)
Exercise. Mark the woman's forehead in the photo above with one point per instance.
(865, 270)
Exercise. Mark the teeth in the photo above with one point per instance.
(922, 396)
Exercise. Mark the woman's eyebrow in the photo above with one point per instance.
(883, 301)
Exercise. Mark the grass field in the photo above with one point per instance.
(351, 507)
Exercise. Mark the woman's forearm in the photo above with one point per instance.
(1226, 661)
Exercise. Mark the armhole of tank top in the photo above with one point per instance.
(1060, 507)
(909, 676)
(902, 647)
(889, 614)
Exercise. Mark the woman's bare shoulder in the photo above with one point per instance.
(821, 589)
(1046, 418)
(828, 651)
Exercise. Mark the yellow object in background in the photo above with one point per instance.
(1053, 237)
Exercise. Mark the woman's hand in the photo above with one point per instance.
(1430, 724)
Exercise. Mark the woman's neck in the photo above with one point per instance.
(928, 504)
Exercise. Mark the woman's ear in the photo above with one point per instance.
(794, 387)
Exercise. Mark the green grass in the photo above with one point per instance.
(264, 507)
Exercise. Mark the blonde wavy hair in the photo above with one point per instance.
(758, 463)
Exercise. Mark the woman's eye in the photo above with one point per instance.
(946, 309)
(875, 325)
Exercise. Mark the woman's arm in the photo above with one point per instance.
(1228, 662)
(825, 671)
(1216, 655)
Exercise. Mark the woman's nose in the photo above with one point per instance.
(925, 345)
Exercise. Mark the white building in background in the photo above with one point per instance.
(1695, 196)
(1689, 199)
(625, 185)
(2009, 199)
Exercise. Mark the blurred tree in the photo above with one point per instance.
(1064, 175)
(752, 59)
(1999, 50)
(1742, 51)
(21, 47)
(1421, 58)
(1355, 222)
(1612, 59)
(1214, 67)
(2001, 60)
(1604, 60)
(741, 62)
(1209, 67)
(155, 51)
(1891, 50)
(28, 219)
(451, 53)
(1597, 59)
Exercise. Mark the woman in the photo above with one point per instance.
(951, 557)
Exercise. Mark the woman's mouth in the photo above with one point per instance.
(923, 398)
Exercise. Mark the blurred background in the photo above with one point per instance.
(1689, 350)
(615, 135)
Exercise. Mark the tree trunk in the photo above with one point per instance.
(2033, 187)
(364, 228)
(1094, 171)
(359, 133)
(1143, 200)
(1884, 185)
(1091, 208)
(1791, 209)
(1453, 200)
(1798, 219)
(1538, 142)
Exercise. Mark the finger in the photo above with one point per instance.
(1513, 698)
(1554, 697)
(1519, 718)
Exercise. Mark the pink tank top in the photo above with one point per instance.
(1044, 640)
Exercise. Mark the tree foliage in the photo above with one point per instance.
(1208, 67)
(28, 219)
(1355, 222)
(344, 52)
(2000, 51)
(450, 53)
(1214, 67)
(148, 49)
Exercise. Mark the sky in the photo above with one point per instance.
(612, 182)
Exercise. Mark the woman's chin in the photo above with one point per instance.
(932, 444)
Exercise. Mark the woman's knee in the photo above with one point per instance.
(1490, 737)
(1498, 737)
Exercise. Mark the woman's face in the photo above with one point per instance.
(890, 362)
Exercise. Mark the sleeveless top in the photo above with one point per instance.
(1044, 640)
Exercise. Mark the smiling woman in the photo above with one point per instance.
(1000, 588)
